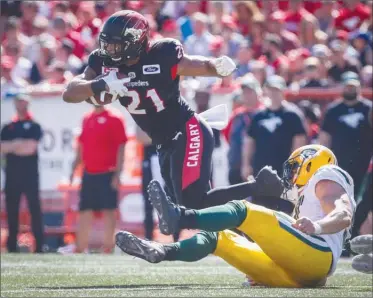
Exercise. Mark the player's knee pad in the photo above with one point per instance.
(209, 238)
(238, 209)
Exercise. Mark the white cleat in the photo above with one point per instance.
(363, 263)
(362, 244)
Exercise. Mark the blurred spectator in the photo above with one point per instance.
(170, 29)
(363, 45)
(245, 13)
(89, 24)
(322, 52)
(299, 21)
(366, 75)
(29, 11)
(280, 127)
(312, 74)
(351, 15)
(22, 66)
(258, 69)
(225, 85)
(346, 130)
(325, 15)
(340, 63)
(244, 55)
(199, 42)
(154, 8)
(9, 83)
(19, 144)
(101, 151)
(185, 22)
(105, 9)
(312, 115)
(13, 34)
(218, 14)
(250, 101)
(60, 30)
(218, 47)
(276, 25)
(58, 74)
(64, 53)
(232, 38)
(272, 49)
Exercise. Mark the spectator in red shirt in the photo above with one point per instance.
(245, 14)
(101, 151)
(276, 25)
(60, 30)
(352, 15)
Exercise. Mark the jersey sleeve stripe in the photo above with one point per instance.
(174, 71)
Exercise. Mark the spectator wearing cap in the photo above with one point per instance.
(218, 47)
(272, 49)
(198, 43)
(245, 13)
(61, 30)
(280, 126)
(101, 151)
(363, 45)
(244, 55)
(231, 36)
(9, 83)
(249, 102)
(346, 129)
(217, 11)
(276, 25)
(325, 15)
(322, 52)
(312, 77)
(351, 15)
(258, 69)
(19, 145)
(340, 63)
(65, 53)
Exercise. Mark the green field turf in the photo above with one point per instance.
(108, 276)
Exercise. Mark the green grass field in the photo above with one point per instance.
(122, 276)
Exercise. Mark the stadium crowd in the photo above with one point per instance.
(310, 44)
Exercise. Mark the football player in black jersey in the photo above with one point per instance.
(150, 92)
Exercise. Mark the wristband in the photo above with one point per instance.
(98, 86)
(318, 229)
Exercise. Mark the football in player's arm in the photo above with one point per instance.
(87, 84)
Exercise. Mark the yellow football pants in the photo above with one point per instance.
(281, 255)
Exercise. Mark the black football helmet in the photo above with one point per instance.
(124, 36)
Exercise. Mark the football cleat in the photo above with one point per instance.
(362, 244)
(168, 212)
(363, 263)
(144, 249)
(268, 183)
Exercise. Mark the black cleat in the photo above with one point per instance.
(268, 183)
(144, 249)
(168, 212)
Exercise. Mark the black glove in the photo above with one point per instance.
(268, 183)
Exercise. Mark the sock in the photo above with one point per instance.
(193, 249)
(214, 219)
(222, 195)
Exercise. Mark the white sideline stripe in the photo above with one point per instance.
(309, 238)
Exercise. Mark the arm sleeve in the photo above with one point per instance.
(171, 51)
(327, 123)
(95, 62)
(252, 129)
(37, 133)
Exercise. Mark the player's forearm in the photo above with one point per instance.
(26, 148)
(197, 66)
(336, 221)
(79, 89)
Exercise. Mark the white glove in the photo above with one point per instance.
(116, 85)
(224, 66)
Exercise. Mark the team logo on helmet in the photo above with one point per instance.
(135, 33)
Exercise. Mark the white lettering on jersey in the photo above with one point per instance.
(352, 120)
(194, 146)
(271, 124)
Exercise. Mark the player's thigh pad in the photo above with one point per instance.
(306, 258)
(250, 259)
